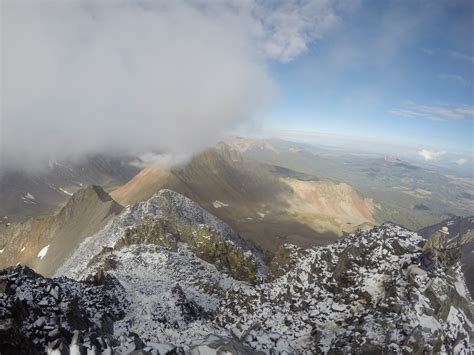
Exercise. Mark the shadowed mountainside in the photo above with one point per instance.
(44, 243)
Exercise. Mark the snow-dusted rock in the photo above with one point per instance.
(353, 297)
(166, 278)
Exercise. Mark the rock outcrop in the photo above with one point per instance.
(353, 297)
(38, 313)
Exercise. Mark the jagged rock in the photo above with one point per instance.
(217, 345)
(3, 286)
(359, 301)
(189, 310)
(58, 346)
(41, 312)
(284, 260)
(227, 256)
(347, 256)
(12, 341)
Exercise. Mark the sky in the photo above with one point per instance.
(396, 71)
(130, 77)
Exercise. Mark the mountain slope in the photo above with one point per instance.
(266, 204)
(44, 243)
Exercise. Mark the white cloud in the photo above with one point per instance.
(461, 161)
(428, 51)
(430, 155)
(289, 28)
(84, 77)
(435, 113)
(462, 56)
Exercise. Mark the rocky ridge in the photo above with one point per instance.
(177, 292)
(353, 297)
(38, 313)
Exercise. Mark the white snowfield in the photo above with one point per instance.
(344, 296)
(42, 253)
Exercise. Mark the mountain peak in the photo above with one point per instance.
(91, 191)
(92, 195)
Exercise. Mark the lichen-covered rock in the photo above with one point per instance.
(151, 230)
(217, 345)
(227, 256)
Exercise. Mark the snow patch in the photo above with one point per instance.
(43, 252)
(28, 198)
(219, 204)
(65, 191)
(1, 250)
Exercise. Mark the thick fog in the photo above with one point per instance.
(132, 77)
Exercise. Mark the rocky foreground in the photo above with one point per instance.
(166, 277)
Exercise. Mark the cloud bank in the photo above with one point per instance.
(130, 77)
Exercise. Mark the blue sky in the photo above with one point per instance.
(397, 71)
